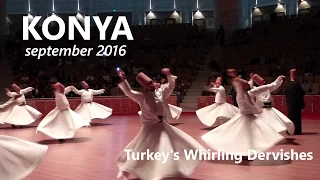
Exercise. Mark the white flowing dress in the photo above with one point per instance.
(157, 136)
(245, 131)
(175, 111)
(218, 113)
(20, 114)
(271, 115)
(19, 158)
(61, 122)
(90, 110)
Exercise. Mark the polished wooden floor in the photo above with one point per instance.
(91, 154)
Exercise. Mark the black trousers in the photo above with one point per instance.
(235, 102)
(234, 98)
(295, 116)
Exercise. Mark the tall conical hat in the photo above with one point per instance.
(293, 73)
(58, 86)
(218, 80)
(241, 83)
(15, 87)
(144, 80)
(84, 84)
(258, 79)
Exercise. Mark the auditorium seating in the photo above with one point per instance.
(273, 48)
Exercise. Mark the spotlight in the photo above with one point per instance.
(79, 16)
(151, 13)
(30, 17)
(8, 20)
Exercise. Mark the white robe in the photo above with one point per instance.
(245, 131)
(20, 114)
(219, 112)
(175, 111)
(90, 110)
(61, 122)
(251, 83)
(271, 115)
(157, 136)
(19, 158)
(7, 106)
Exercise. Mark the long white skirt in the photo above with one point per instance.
(217, 114)
(241, 134)
(90, 111)
(61, 124)
(18, 157)
(277, 120)
(20, 115)
(163, 138)
(175, 112)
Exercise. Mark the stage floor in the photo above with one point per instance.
(91, 154)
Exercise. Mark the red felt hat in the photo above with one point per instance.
(218, 80)
(15, 87)
(293, 73)
(258, 79)
(84, 84)
(241, 83)
(58, 86)
(144, 80)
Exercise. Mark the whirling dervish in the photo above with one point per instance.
(156, 135)
(9, 104)
(219, 112)
(20, 114)
(245, 131)
(61, 123)
(271, 115)
(88, 109)
(19, 158)
(175, 111)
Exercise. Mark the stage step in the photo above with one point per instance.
(191, 99)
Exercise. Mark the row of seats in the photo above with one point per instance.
(271, 48)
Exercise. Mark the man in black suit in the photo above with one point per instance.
(295, 101)
(233, 73)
